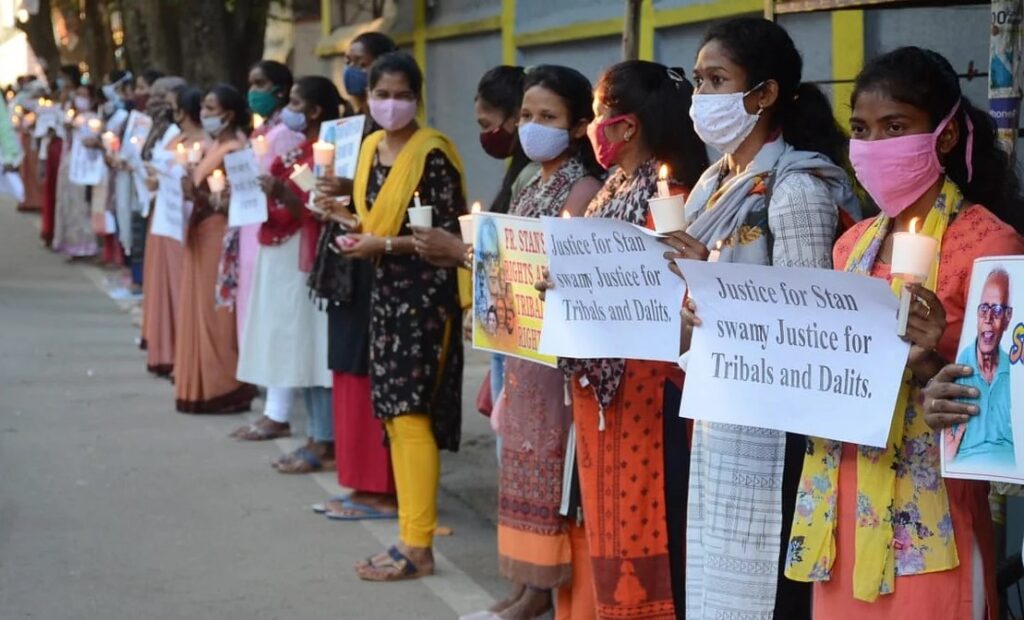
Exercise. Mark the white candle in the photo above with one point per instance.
(95, 125)
(303, 177)
(110, 142)
(196, 154)
(216, 182)
(663, 182)
(323, 153)
(715, 254)
(566, 215)
(467, 224)
(257, 121)
(912, 257)
(71, 114)
(416, 199)
(180, 155)
(259, 146)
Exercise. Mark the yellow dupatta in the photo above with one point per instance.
(902, 522)
(392, 203)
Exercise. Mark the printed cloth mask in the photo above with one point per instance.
(722, 121)
(606, 151)
(262, 102)
(296, 121)
(497, 142)
(898, 171)
(542, 143)
(392, 114)
(355, 80)
(213, 125)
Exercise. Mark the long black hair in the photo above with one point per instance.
(925, 79)
(502, 88)
(320, 91)
(376, 44)
(402, 63)
(578, 94)
(231, 100)
(190, 101)
(766, 52)
(280, 76)
(660, 98)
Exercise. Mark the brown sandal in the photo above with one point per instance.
(261, 431)
(303, 461)
(397, 567)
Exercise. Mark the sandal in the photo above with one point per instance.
(359, 512)
(323, 508)
(397, 567)
(261, 432)
(302, 461)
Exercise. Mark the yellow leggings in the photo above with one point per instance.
(417, 465)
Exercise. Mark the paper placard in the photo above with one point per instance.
(87, 165)
(346, 134)
(508, 254)
(168, 212)
(810, 351)
(991, 445)
(614, 295)
(138, 127)
(47, 118)
(248, 204)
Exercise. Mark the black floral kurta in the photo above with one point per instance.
(416, 319)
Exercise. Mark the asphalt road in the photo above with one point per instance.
(113, 506)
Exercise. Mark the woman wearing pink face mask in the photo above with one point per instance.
(415, 340)
(618, 405)
(879, 531)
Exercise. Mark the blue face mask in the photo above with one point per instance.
(355, 80)
(296, 121)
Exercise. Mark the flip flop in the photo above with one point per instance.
(397, 568)
(322, 508)
(368, 512)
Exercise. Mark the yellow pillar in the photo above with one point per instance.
(325, 18)
(847, 59)
(508, 33)
(419, 47)
(646, 47)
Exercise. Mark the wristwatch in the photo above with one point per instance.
(388, 248)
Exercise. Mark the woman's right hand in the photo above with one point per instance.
(683, 246)
(690, 320)
(942, 398)
(334, 186)
(188, 189)
(545, 284)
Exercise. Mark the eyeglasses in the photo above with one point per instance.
(997, 310)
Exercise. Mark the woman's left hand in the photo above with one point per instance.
(683, 246)
(363, 246)
(925, 324)
(439, 247)
(270, 185)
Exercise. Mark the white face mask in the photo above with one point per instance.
(542, 143)
(722, 121)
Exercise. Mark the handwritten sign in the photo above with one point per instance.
(248, 204)
(810, 351)
(168, 208)
(508, 255)
(346, 134)
(614, 295)
(87, 165)
(137, 127)
(990, 446)
(48, 117)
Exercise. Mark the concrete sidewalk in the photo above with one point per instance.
(113, 506)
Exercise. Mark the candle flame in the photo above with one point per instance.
(663, 173)
(257, 121)
(566, 214)
(416, 194)
(135, 140)
(913, 225)
(217, 173)
(181, 147)
(196, 146)
(476, 207)
(718, 245)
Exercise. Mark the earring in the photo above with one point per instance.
(628, 136)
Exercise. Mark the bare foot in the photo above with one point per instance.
(513, 597)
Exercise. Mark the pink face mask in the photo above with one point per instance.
(898, 171)
(392, 114)
(605, 151)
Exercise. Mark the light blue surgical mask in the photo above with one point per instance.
(296, 121)
(213, 125)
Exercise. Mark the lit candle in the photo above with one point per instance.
(416, 199)
(19, 110)
(180, 155)
(71, 114)
(259, 146)
(566, 215)
(196, 154)
(323, 158)
(303, 177)
(216, 182)
(912, 258)
(716, 253)
(16, 121)
(663, 182)
(467, 224)
(95, 125)
(257, 121)
(109, 142)
(30, 118)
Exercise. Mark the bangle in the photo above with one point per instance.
(388, 248)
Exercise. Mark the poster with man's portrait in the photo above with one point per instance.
(990, 446)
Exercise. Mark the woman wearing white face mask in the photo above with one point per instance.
(73, 233)
(415, 342)
(772, 200)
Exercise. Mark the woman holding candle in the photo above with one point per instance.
(879, 531)
(284, 344)
(628, 512)
(68, 80)
(73, 233)
(540, 550)
(773, 198)
(415, 342)
(206, 347)
(161, 281)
